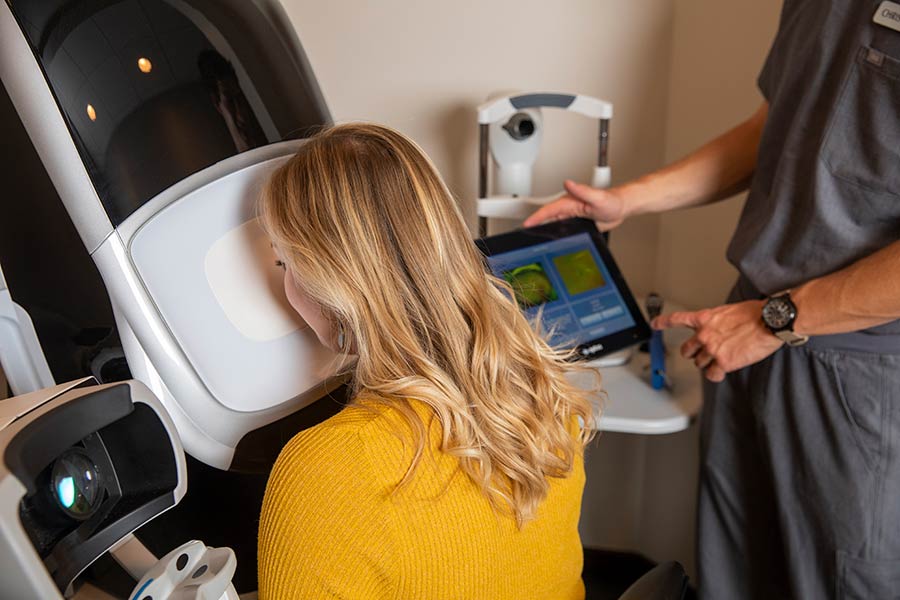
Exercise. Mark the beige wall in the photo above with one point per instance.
(719, 48)
(424, 66)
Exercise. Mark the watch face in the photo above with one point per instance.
(778, 313)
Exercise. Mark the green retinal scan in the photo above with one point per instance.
(531, 284)
(579, 272)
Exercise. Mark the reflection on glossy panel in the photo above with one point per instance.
(153, 90)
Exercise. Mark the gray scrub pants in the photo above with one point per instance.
(800, 478)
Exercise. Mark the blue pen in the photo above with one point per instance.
(658, 378)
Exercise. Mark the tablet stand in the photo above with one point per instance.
(616, 359)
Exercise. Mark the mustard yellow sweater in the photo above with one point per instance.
(332, 528)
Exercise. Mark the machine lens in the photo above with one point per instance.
(520, 126)
(76, 485)
(526, 128)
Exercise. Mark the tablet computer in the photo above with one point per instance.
(564, 273)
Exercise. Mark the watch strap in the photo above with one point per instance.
(790, 338)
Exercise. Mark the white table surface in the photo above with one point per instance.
(633, 406)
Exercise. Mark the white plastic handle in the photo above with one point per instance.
(192, 571)
(512, 207)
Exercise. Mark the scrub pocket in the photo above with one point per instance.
(862, 145)
(859, 383)
(865, 579)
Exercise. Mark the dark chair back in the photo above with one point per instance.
(666, 581)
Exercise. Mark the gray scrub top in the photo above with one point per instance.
(826, 191)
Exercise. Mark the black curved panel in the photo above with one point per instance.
(218, 77)
(43, 440)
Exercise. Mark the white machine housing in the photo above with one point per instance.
(195, 291)
(21, 356)
(515, 146)
(514, 154)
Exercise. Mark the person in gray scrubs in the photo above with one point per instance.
(800, 434)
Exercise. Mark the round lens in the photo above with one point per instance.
(76, 485)
(526, 128)
(520, 126)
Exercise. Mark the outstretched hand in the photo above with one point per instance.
(726, 338)
(605, 207)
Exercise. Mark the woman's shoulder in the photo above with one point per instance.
(351, 441)
(363, 421)
(326, 507)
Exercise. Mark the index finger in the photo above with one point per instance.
(561, 208)
(677, 319)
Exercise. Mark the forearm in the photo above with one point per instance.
(862, 295)
(716, 171)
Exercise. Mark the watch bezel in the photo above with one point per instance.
(781, 298)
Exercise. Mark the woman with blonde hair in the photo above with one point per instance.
(456, 470)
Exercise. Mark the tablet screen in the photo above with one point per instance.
(564, 274)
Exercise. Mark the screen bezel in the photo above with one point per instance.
(548, 232)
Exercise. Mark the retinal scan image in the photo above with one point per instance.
(531, 284)
(579, 272)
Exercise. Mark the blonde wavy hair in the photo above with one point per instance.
(372, 234)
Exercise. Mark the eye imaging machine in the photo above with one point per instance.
(157, 121)
(83, 466)
(510, 129)
(159, 171)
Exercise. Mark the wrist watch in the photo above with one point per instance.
(778, 314)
